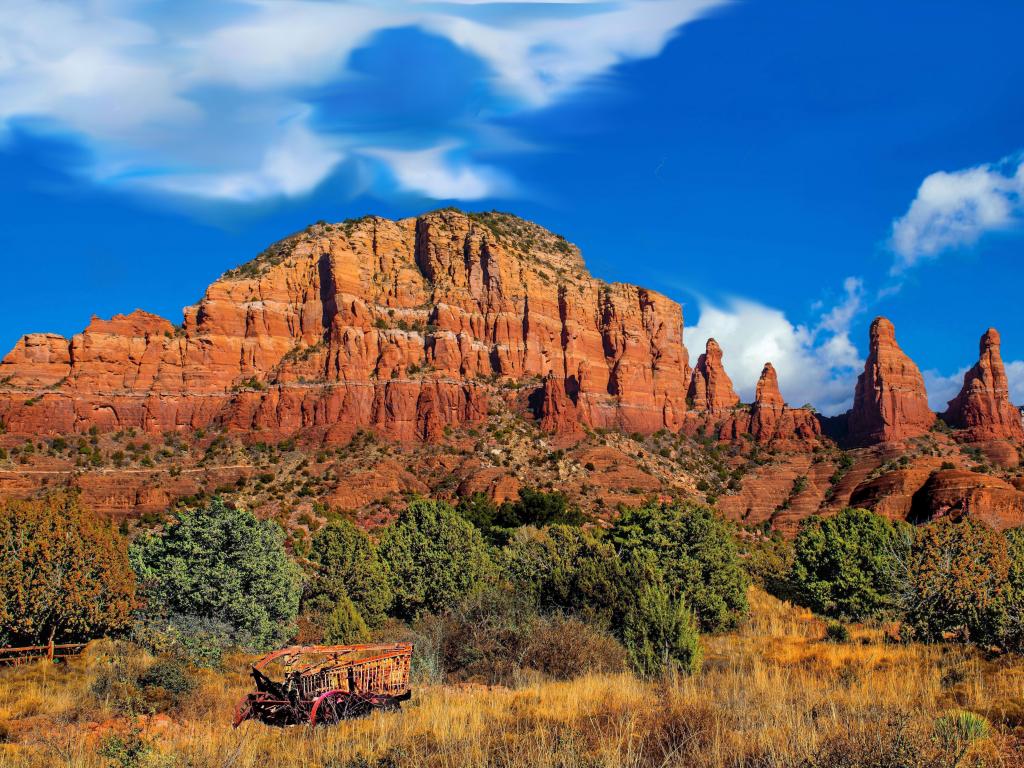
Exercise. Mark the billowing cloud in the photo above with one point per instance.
(223, 104)
(816, 363)
(954, 209)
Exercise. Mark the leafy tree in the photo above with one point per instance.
(1011, 631)
(64, 573)
(564, 569)
(433, 556)
(768, 561)
(696, 553)
(959, 580)
(659, 631)
(344, 624)
(347, 566)
(849, 566)
(220, 566)
(533, 507)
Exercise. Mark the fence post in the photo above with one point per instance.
(49, 650)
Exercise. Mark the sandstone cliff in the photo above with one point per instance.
(890, 402)
(405, 327)
(710, 388)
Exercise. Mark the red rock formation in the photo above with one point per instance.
(890, 402)
(983, 406)
(710, 386)
(772, 421)
(769, 421)
(957, 492)
(405, 327)
(557, 412)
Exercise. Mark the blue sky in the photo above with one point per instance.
(786, 170)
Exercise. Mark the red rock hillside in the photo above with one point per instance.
(405, 327)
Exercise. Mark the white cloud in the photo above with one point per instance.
(956, 209)
(431, 172)
(816, 364)
(216, 105)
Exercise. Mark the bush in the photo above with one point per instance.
(345, 625)
(566, 570)
(223, 570)
(959, 581)
(659, 631)
(347, 566)
(849, 566)
(958, 729)
(696, 554)
(533, 508)
(64, 573)
(433, 558)
(836, 632)
(768, 562)
(564, 648)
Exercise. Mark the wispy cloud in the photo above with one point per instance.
(816, 363)
(220, 105)
(954, 209)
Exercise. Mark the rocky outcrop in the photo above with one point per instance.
(405, 327)
(710, 388)
(983, 406)
(958, 493)
(769, 421)
(890, 402)
(773, 422)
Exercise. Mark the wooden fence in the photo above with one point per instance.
(51, 652)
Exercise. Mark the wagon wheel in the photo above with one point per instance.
(334, 706)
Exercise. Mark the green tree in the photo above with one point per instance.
(344, 625)
(696, 554)
(533, 507)
(1011, 631)
(564, 569)
(658, 630)
(433, 556)
(64, 573)
(346, 565)
(959, 581)
(850, 566)
(222, 566)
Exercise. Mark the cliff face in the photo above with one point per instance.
(890, 402)
(405, 327)
(983, 406)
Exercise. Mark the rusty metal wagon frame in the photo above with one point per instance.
(323, 684)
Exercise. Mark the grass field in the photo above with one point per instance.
(775, 693)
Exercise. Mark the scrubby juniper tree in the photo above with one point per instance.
(220, 571)
(64, 573)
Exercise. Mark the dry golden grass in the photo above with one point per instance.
(773, 694)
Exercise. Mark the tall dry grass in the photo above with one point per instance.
(773, 694)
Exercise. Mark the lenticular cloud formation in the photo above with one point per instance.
(219, 104)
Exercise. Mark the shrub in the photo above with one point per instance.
(836, 632)
(223, 567)
(959, 729)
(850, 565)
(64, 574)
(347, 566)
(659, 631)
(696, 554)
(533, 508)
(563, 648)
(566, 570)
(344, 624)
(959, 581)
(433, 558)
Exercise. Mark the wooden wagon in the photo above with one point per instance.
(322, 684)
